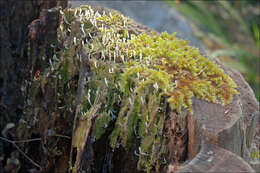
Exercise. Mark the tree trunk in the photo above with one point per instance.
(17, 62)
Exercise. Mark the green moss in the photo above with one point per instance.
(100, 125)
(140, 73)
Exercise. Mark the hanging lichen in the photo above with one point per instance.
(139, 73)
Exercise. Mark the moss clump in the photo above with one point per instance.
(140, 73)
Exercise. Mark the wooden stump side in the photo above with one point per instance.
(212, 158)
(230, 127)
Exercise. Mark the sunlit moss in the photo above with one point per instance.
(140, 72)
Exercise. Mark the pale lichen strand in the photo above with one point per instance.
(140, 73)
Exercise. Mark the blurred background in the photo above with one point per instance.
(224, 29)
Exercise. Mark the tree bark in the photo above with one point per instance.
(16, 61)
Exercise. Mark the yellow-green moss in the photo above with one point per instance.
(141, 72)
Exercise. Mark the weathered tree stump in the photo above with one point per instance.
(224, 129)
(214, 139)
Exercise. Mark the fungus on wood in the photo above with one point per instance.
(159, 97)
(136, 100)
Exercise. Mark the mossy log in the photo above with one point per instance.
(83, 89)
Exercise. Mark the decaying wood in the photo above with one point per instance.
(42, 34)
(251, 116)
(230, 128)
(82, 126)
(178, 132)
(217, 123)
(212, 158)
(227, 131)
(15, 17)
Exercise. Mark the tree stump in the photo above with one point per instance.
(63, 114)
(224, 129)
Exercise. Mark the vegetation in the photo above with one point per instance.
(130, 78)
(135, 75)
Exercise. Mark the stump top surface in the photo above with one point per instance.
(215, 117)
